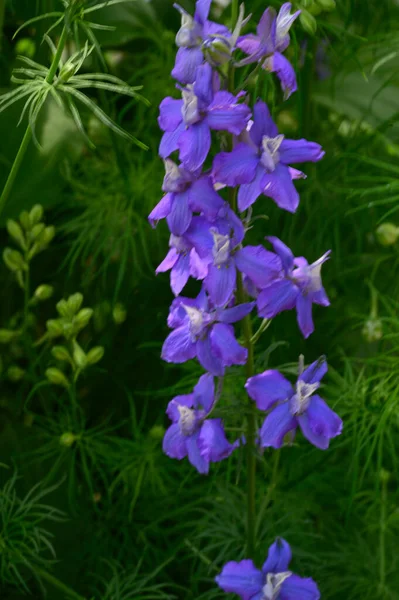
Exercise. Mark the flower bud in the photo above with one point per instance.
(61, 353)
(372, 330)
(67, 72)
(83, 317)
(217, 51)
(14, 260)
(79, 356)
(307, 4)
(37, 230)
(25, 221)
(384, 476)
(54, 328)
(326, 5)
(15, 373)
(15, 231)
(119, 313)
(157, 432)
(44, 292)
(63, 308)
(308, 22)
(48, 234)
(95, 355)
(7, 336)
(26, 47)
(75, 302)
(57, 377)
(387, 234)
(36, 214)
(67, 439)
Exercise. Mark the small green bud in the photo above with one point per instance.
(63, 308)
(26, 47)
(61, 353)
(83, 317)
(387, 234)
(15, 373)
(67, 72)
(79, 356)
(217, 52)
(75, 302)
(157, 432)
(25, 221)
(372, 330)
(307, 4)
(67, 439)
(57, 377)
(43, 292)
(7, 336)
(384, 476)
(327, 5)
(119, 313)
(95, 355)
(14, 260)
(36, 231)
(48, 234)
(308, 22)
(54, 328)
(15, 231)
(36, 214)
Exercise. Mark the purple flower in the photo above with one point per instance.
(186, 193)
(291, 406)
(300, 286)
(273, 582)
(271, 40)
(195, 36)
(191, 433)
(261, 166)
(187, 123)
(204, 332)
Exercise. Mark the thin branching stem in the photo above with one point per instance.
(42, 574)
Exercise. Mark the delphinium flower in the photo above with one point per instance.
(186, 193)
(200, 330)
(273, 582)
(290, 407)
(270, 41)
(187, 123)
(192, 434)
(260, 164)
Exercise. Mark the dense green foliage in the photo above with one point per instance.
(89, 505)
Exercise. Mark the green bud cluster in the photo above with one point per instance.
(311, 9)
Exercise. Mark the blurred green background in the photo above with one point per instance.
(134, 523)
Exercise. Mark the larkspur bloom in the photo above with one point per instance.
(196, 35)
(201, 331)
(267, 46)
(186, 193)
(192, 434)
(273, 582)
(299, 286)
(294, 406)
(187, 123)
(260, 164)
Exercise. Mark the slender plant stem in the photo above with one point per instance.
(28, 133)
(383, 518)
(234, 12)
(58, 584)
(2, 14)
(26, 298)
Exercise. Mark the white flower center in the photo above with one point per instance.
(221, 248)
(270, 154)
(187, 420)
(189, 109)
(304, 391)
(273, 585)
(196, 317)
(187, 36)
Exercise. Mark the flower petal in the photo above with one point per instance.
(248, 193)
(169, 141)
(212, 442)
(263, 124)
(278, 186)
(268, 388)
(277, 297)
(187, 61)
(161, 210)
(226, 347)
(204, 392)
(168, 262)
(236, 313)
(315, 372)
(299, 151)
(174, 443)
(304, 314)
(319, 423)
(260, 265)
(207, 358)
(277, 63)
(199, 235)
(203, 198)
(180, 215)
(194, 144)
(203, 84)
(299, 588)
(178, 347)
(276, 425)
(266, 30)
(173, 407)
(250, 44)
(225, 114)
(285, 254)
(198, 266)
(202, 8)
(170, 115)
(278, 558)
(194, 454)
(236, 167)
(220, 283)
(284, 23)
(241, 578)
(180, 274)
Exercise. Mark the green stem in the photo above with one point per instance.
(28, 133)
(234, 12)
(2, 13)
(26, 298)
(383, 517)
(58, 584)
